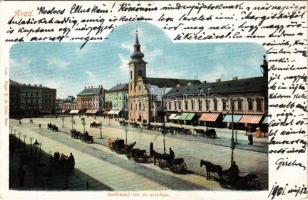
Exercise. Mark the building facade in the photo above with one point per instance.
(116, 100)
(28, 100)
(144, 93)
(67, 104)
(241, 101)
(91, 98)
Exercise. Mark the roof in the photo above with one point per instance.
(157, 91)
(15, 83)
(169, 82)
(119, 87)
(89, 91)
(247, 85)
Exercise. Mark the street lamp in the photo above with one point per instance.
(36, 146)
(62, 122)
(72, 122)
(164, 132)
(207, 104)
(83, 121)
(24, 141)
(126, 130)
(40, 146)
(100, 129)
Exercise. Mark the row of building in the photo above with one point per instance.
(146, 99)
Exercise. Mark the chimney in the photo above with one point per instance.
(178, 85)
(235, 78)
(40, 85)
(189, 84)
(218, 80)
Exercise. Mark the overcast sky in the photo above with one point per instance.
(68, 69)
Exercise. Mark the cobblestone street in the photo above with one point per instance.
(116, 171)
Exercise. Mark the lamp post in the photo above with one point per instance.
(24, 141)
(207, 104)
(126, 130)
(62, 122)
(35, 145)
(39, 158)
(83, 121)
(164, 132)
(72, 122)
(100, 129)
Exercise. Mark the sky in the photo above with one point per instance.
(69, 69)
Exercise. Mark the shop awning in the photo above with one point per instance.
(172, 116)
(265, 120)
(190, 116)
(183, 116)
(228, 118)
(209, 117)
(63, 111)
(92, 111)
(251, 119)
(106, 112)
(177, 117)
(111, 112)
(74, 111)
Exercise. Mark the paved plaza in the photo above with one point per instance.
(117, 172)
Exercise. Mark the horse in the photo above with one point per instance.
(110, 142)
(156, 156)
(211, 168)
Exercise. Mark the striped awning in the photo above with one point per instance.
(183, 116)
(251, 119)
(116, 112)
(172, 116)
(190, 116)
(265, 120)
(228, 118)
(106, 112)
(63, 111)
(74, 111)
(209, 117)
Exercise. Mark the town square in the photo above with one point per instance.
(141, 129)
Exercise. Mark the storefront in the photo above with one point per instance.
(228, 119)
(251, 122)
(209, 119)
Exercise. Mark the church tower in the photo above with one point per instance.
(137, 66)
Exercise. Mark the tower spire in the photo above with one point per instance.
(137, 54)
(137, 39)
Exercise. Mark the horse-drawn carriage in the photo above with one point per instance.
(210, 133)
(118, 146)
(176, 165)
(52, 127)
(75, 134)
(62, 162)
(87, 138)
(95, 125)
(138, 155)
(230, 177)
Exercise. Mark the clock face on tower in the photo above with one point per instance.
(139, 72)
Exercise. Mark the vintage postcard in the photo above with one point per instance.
(153, 100)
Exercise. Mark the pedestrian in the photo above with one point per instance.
(171, 152)
(19, 122)
(21, 176)
(39, 125)
(72, 162)
(250, 139)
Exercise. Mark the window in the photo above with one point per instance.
(136, 107)
(250, 104)
(186, 105)
(240, 105)
(139, 88)
(192, 104)
(232, 105)
(143, 107)
(180, 105)
(169, 105)
(215, 104)
(207, 104)
(200, 104)
(139, 105)
(131, 75)
(175, 105)
(224, 105)
(259, 104)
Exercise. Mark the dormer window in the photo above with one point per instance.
(139, 72)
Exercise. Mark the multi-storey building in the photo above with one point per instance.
(242, 101)
(144, 93)
(31, 100)
(90, 100)
(67, 104)
(116, 100)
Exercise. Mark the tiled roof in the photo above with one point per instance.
(169, 82)
(119, 87)
(89, 91)
(15, 83)
(247, 85)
